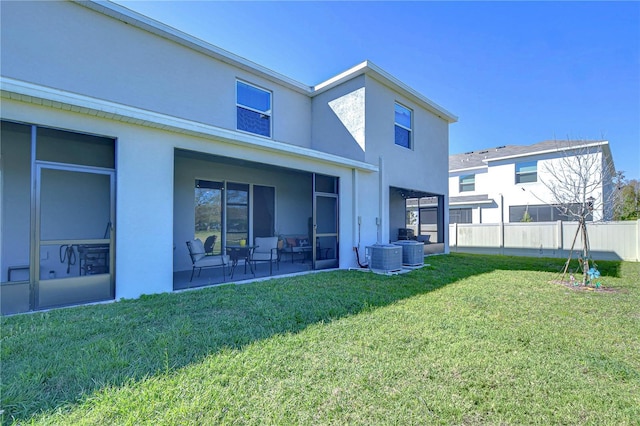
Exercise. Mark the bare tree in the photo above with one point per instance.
(580, 185)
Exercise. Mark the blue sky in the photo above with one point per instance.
(513, 72)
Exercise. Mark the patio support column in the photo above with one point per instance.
(144, 214)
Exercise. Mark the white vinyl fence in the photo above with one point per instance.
(608, 240)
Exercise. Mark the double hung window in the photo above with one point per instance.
(527, 172)
(253, 106)
(467, 183)
(403, 122)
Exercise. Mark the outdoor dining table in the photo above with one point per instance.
(237, 252)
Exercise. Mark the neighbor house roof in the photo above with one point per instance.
(480, 158)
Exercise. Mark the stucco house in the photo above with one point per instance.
(123, 138)
(513, 183)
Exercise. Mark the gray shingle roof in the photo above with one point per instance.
(477, 158)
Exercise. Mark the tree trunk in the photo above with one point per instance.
(585, 252)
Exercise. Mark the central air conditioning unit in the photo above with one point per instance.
(412, 252)
(384, 258)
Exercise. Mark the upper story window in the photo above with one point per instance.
(467, 183)
(253, 106)
(527, 172)
(403, 126)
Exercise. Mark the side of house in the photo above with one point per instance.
(512, 183)
(123, 138)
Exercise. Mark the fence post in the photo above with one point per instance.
(501, 237)
(638, 240)
(559, 237)
(455, 232)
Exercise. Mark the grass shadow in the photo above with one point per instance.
(53, 360)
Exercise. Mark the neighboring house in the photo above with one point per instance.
(511, 183)
(123, 138)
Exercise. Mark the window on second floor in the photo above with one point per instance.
(467, 183)
(403, 126)
(253, 106)
(527, 172)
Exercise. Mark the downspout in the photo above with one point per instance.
(380, 199)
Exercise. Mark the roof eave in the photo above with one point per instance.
(145, 23)
(374, 71)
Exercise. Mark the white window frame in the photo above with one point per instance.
(518, 174)
(268, 113)
(409, 129)
(460, 183)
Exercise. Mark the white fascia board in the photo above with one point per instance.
(369, 68)
(145, 23)
(468, 169)
(549, 151)
(55, 98)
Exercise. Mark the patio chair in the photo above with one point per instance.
(266, 250)
(209, 244)
(200, 260)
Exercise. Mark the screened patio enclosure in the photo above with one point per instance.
(58, 209)
(421, 212)
(229, 202)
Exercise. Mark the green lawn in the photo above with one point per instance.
(468, 340)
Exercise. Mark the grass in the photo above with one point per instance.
(468, 340)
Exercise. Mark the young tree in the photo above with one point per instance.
(580, 184)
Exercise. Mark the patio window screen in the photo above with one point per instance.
(208, 211)
(237, 213)
(460, 215)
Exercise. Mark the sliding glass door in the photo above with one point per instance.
(237, 201)
(223, 215)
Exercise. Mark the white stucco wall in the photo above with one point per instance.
(424, 166)
(89, 53)
(338, 124)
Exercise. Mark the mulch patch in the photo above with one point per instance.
(581, 287)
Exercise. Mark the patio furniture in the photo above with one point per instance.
(237, 253)
(406, 234)
(209, 244)
(266, 250)
(200, 259)
(297, 245)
